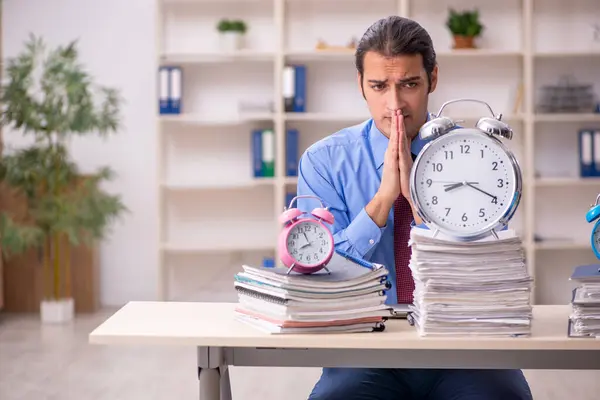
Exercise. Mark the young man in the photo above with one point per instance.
(362, 174)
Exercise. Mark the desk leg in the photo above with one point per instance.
(213, 374)
(225, 383)
(209, 381)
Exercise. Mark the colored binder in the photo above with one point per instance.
(175, 92)
(586, 153)
(288, 88)
(257, 153)
(596, 153)
(300, 88)
(291, 152)
(164, 104)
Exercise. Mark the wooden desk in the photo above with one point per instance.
(221, 341)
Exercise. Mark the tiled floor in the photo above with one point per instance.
(56, 362)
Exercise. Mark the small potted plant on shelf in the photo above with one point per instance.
(49, 97)
(232, 34)
(465, 27)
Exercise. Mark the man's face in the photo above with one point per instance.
(397, 83)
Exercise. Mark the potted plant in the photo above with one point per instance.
(50, 97)
(465, 27)
(232, 33)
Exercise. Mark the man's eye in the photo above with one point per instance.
(377, 87)
(411, 85)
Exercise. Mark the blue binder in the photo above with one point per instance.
(300, 89)
(164, 103)
(175, 89)
(291, 152)
(586, 153)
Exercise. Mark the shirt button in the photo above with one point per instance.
(371, 241)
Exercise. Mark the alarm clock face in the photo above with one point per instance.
(596, 239)
(466, 183)
(309, 243)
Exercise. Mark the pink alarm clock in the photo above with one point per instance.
(305, 244)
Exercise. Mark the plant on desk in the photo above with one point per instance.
(232, 34)
(49, 97)
(465, 27)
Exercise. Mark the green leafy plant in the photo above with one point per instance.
(49, 96)
(232, 25)
(464, 23)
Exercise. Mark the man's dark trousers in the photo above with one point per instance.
(417, 384)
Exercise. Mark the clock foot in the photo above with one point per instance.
(290, 269)
(495, 234)
(328, 271)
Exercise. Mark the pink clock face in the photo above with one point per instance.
(309, 243)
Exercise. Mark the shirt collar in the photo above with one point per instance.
(379, 143)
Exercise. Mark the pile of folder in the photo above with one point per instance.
(584, 320)
(347, 297)
(476, 288)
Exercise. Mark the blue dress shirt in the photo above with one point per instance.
(344, 171)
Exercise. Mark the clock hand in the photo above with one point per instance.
(461, 183)
(453, 186)
(482, 191)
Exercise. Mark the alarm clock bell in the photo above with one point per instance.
(440, 125)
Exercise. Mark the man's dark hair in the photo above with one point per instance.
(395, 36)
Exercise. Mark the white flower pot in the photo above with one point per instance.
(57, 311)
(232, 41)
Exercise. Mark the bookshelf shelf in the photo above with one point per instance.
(206, 152)
(558, 245)
(200, 120)
(325, 117)
(482, 53)
(217, 57)
(568, 182)
(582, 117)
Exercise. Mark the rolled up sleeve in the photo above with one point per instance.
(357, 237)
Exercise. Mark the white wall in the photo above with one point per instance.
(117, 46)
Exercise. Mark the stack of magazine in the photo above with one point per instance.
(347, 297)
(476, 288)
(584, 320)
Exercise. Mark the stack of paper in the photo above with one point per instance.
(584, 320)
(349, 297)
(470, 288)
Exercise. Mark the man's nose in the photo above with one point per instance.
(395, 101)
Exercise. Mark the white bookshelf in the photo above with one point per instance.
(209, 201)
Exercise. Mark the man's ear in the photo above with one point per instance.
(434, 79)
(359, 80)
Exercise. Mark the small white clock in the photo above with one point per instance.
(466, 183)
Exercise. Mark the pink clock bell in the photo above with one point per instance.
(305, 243)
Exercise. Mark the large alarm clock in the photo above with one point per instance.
(593, 214)
(466, 183)
(305, 243)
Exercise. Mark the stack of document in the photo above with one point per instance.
(476, 288)
(347, 297)
(584, 320)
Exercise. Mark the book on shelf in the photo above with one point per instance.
(294, 88)
(584, 319)
(350, 296)
(476, 288)
(170, 89)
(263, 152)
